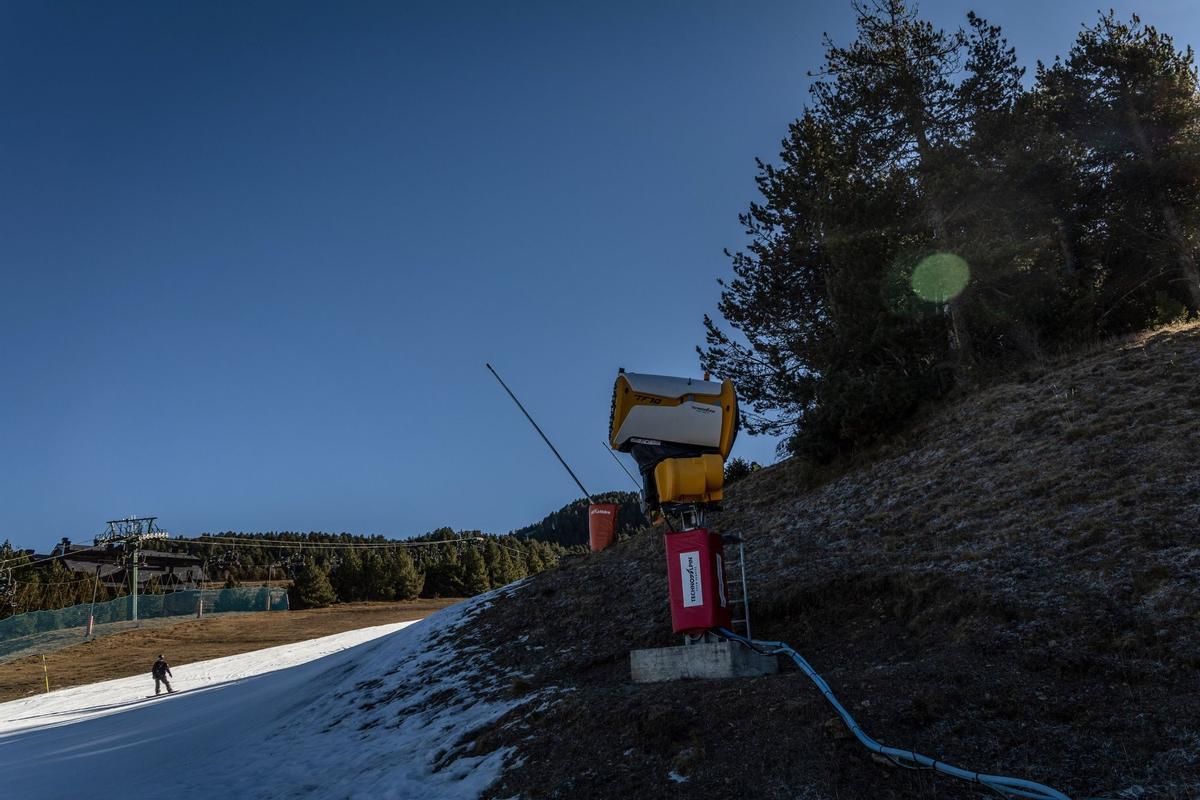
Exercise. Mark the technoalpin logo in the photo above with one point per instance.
(693, 584)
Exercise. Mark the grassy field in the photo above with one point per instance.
(132, 652)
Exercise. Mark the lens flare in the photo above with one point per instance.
(940, 277)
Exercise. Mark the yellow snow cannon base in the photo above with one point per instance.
(691, 480)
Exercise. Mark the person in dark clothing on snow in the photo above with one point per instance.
(160, 671)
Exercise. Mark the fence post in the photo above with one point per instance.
(92, 613)
(134, 589)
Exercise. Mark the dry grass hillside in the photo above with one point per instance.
(1012, 587)
(184, 642)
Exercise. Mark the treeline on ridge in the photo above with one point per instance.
(347, 568)
(442, 563)
(344, 567)
(323, 568)
(568, 526)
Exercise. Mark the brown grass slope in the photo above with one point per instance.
(1012, 588)
(132, 652)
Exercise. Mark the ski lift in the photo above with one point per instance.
(292, 564)
(133, 558)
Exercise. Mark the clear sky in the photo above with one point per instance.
(253, 256)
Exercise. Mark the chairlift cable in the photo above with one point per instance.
(238, 542)
(48, 558)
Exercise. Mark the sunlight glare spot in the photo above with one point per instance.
(940, 277)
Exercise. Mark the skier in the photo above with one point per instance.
(160, 671)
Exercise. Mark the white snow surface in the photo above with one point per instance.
(374, 713)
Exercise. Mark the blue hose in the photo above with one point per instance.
(1002, 784)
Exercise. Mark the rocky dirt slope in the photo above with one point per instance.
(1012, 586)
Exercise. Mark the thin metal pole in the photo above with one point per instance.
(91, 626)
(135, 582)
(745, 591)
(621, 464)
(539, 430)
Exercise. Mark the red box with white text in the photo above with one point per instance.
(696, 574)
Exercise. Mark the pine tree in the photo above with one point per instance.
(533, 559)
(513, 566)
(408, 581)
(837, 348)
(311, 588)
(348, 577)
(891, 94)
(493, 558)
(444, 574)
(928, 218)
(378, 581)
(738, 468)
(475, 577)
(1128, 98)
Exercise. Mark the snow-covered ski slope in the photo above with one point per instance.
(374, 713)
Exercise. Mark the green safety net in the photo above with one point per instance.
(44, 631)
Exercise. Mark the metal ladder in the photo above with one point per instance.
(735, 583)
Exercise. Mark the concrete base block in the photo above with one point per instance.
(705, 660)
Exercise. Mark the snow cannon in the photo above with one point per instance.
(679, 430)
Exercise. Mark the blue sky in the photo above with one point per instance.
(253, 256)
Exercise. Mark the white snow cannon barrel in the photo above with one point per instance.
(679, 430)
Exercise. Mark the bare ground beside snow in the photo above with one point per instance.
(1013, 586)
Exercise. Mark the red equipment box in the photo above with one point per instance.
(696, 575)
(602, 525)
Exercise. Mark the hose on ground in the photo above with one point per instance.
(1001, 784)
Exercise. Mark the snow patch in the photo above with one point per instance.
(380, 713)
